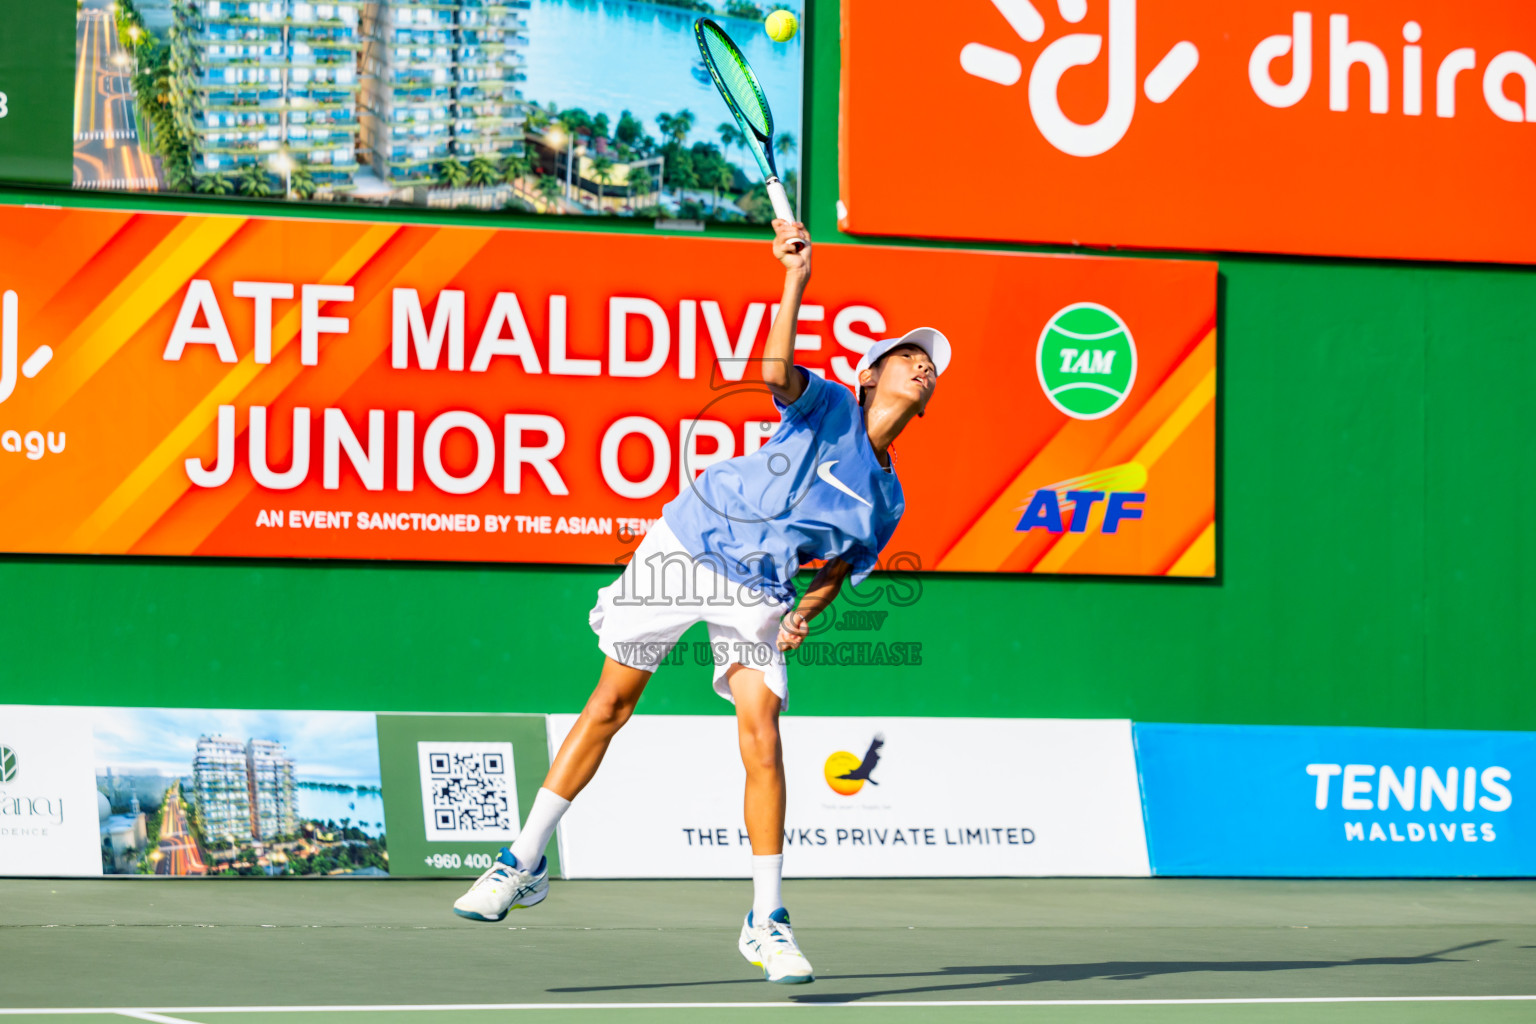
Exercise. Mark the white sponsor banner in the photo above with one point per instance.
(49, 823)
(868, 797)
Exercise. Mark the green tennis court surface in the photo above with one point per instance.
(1045, 951)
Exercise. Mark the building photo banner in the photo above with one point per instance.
(562, 107)
(189, 792)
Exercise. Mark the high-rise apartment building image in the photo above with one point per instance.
(269, 82)
(244, 791)
(274, 812)
(220, 789)
(439, 80)
(325, 85)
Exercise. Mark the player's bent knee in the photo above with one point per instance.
(760, 751)
(608, 708)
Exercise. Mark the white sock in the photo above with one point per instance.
(767, 872)
(529, 845)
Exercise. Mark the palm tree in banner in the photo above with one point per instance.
(730, 137)
(784, 144)
(549, 191)
(515, 167)
(602, 173)
(215, 184)
(640, 184)
(483, 172)
(682, 124)
(302, 181)
(452, 173)
(253, 182)
(178, 173)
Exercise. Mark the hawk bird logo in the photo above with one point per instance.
(846, 773)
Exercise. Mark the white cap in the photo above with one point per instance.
(925, 338)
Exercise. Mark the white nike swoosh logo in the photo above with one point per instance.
(824, 470)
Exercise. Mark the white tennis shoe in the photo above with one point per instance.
(771, 946)
(504, 887)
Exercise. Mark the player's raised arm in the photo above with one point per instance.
(796, 626)
(779, 353)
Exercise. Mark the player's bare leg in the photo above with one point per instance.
(520, 875)
(757, 729)
(766, 938)
(610, 706)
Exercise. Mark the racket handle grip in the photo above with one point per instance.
(781, 208)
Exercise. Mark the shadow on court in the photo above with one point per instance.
(952, 979)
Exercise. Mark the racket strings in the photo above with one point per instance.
(740, 84)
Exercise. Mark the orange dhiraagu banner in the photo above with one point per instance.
(1361, 128)
(231, 386)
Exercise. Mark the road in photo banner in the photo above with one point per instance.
(1300, 801)
(182, 791)
(868, 797)
(48, 800)
(456, 787)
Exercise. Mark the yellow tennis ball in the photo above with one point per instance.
(782, 26)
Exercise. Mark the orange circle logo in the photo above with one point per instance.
(838, 765)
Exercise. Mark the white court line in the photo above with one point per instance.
(150, 1014)
(155, 1017)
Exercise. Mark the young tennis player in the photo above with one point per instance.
(726, 552)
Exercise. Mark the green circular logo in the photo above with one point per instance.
(1086, 361)
(7, 764)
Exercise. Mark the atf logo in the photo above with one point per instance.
(1086, 361)
(1070, 506)
(846, 773)
(7, 763)
(1075, 50)
(9, 331)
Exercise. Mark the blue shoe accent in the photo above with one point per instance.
(505, 856)
(471, 915)
(781, 916)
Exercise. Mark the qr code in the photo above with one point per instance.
(468, 791)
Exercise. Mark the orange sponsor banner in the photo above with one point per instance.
(229, 386)
(1363, 128)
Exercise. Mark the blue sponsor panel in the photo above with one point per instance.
(1305, 801)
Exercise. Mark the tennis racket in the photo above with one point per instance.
(738, 85)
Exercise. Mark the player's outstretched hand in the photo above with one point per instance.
(783, 233)
(792, 630)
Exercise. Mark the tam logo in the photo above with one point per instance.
(1076, 50)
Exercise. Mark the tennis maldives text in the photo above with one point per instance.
(526, 439)
(1429, 790)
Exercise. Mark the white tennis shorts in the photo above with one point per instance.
(640, 616)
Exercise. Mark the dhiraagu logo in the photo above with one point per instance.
(7, 763)
(1086, 360)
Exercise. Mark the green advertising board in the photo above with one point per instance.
(37, 91)
(447, 776)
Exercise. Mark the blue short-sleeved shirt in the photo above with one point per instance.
(814, 491)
